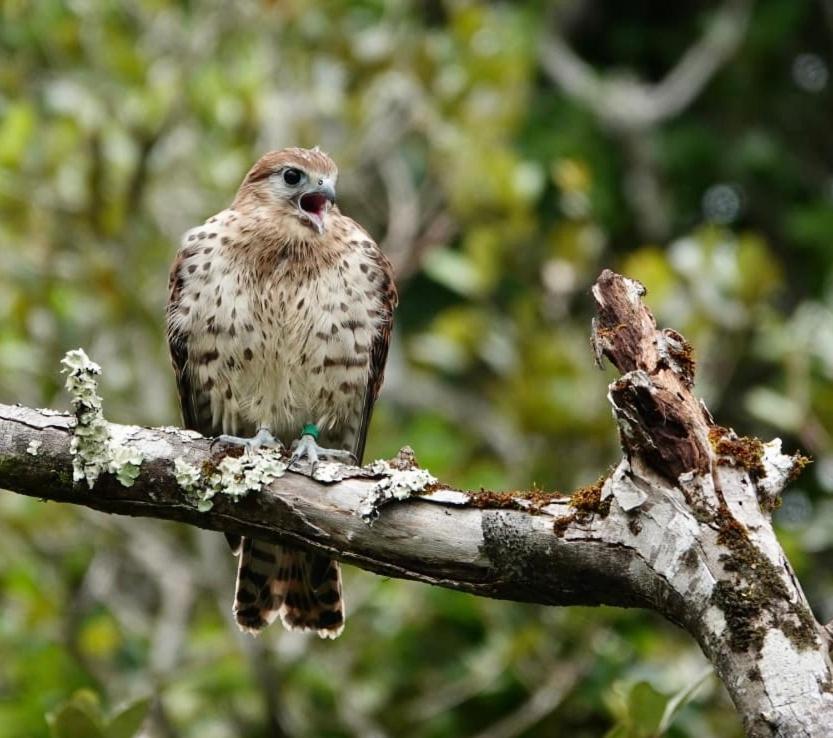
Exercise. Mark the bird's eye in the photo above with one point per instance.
(292, 176)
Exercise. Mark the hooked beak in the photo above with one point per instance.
(315, 203)
(328, 191)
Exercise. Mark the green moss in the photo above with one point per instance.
(801, 631)
(490, 500)
(769, 504)
(746, 452)
(742, 610)
(433, 487)
(209, 466)
(585, 501)
(588, 499)
(560, 524)
(799, 462)
(752, 602)
(528, 500)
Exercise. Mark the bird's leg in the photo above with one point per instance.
(262, 439)
(306, 447)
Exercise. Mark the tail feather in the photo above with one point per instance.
(303, 589)
(313, 598)
(258, 595)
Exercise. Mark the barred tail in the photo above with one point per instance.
(303, 588)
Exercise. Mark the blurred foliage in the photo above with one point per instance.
(499, 198)
(81, 717)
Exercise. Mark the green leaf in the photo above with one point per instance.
(126, 723)
(78, 717)
(70, 721)
(646, 707)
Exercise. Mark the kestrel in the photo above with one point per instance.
(278, 321)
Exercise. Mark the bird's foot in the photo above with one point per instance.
(262, 439)
(306, 447)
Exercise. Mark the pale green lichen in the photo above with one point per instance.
(401, 484)
(92, 447)
(238, 476)
(34, 447)
(124, 463)
(191, 480)
(187, 475)
(233, 476)
(397, 483)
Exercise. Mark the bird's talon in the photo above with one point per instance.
(307, 448)
(228, 441)
(262, 439)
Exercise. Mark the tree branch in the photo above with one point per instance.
(438, 538)
(628, 104)
(633, 108)
(681, 525)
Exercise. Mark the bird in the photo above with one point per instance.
(278, 320)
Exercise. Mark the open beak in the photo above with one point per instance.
(315, 203)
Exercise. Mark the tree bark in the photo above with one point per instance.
(681, 526)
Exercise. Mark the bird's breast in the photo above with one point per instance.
(281, 351)
(311, 357)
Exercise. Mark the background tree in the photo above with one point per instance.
(499, 193)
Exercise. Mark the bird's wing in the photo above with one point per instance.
(196, 405)
(378, 349)
(193, 399)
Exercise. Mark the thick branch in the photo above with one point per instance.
(681, 526)
(445, 538)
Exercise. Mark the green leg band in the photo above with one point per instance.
(310, 429)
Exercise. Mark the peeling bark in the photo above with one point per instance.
(681, 526)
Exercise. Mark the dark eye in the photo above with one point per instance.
(292, 176)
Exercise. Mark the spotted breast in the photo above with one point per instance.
(283, 344)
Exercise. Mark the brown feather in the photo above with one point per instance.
(196, 413)
(272, 162)
(378, 350)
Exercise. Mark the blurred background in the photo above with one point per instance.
(502, 154)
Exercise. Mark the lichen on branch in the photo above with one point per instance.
(232, 475)
(93, 449)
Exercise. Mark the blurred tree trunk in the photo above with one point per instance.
(681, 526)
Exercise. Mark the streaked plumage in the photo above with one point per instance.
(279, 315)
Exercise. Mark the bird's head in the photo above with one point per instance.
(297, 185)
